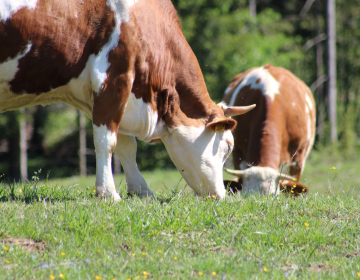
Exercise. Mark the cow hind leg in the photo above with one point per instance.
(126, 151)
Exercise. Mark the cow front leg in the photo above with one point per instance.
(126, 151)
(105, 143)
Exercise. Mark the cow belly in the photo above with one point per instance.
(77, 92)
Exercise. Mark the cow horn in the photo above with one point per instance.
(238, 173)
(286, 177)
(237, 110)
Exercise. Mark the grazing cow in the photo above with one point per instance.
(279, 132)
(127, 65)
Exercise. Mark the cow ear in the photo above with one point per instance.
(221, 124)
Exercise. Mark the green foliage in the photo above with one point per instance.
(227, 41)
(153, 156)
(61, 121)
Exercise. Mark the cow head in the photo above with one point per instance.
(263, 180)
(290, 188)
(199, 152)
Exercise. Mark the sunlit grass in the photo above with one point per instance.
(179, 236)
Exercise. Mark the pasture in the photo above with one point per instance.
(57, 229)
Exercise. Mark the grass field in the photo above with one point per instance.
(58, 230)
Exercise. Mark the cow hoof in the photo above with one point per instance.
(108, 196)
(115, 197)
(100, 194)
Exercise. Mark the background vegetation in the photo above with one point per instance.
(227, 39)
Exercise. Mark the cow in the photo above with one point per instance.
(127, 66)
(277, 135)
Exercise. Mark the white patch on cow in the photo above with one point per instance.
(126, 150)
(261, 79)
(139, 119)
(199, 154)
(82, 94)
(222, 105)
(310, 137)
(100, 63)
(227, 90)
(9, 67)
(10, 7)
(261, 180)
(308, 101)
(105, 143)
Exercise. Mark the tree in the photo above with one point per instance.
(331, 66)
(82, 143)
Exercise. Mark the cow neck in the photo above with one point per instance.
(256, 129)
(167, 73)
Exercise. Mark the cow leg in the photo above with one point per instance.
(296, 167)
(105, 142)
(295, 171)
(108, 109)
(126, 151)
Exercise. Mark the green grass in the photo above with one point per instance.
(328, 172)
(179, 236)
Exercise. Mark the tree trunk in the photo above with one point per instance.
(23, 146)
(36, 147)
(14, 148)
(252, 4)
(320, 73)
(331, 67)
(82, 143)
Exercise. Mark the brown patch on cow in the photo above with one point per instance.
(10, 36)
(251, 137)
(294, 189)
(61, 42)
(25, 244)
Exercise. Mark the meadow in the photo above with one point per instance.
(57, 229)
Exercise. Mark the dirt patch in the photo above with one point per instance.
(353, 255)
(319, 267)
(25, 244)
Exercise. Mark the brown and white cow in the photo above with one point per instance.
(278, 133)
(127, 65)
